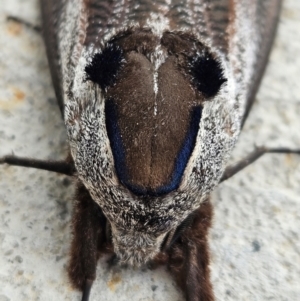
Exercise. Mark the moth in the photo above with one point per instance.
(153, 95)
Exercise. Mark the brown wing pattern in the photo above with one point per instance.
(51, 12)
(266, 18)
(213, 19)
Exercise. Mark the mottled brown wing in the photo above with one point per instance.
(267, 18)
(51, 10)
(212, 19)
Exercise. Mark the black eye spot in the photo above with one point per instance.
(104, 67)
(207, 74)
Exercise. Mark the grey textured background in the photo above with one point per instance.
(254, 241)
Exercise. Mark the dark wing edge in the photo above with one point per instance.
(51, 10)
(269, 18)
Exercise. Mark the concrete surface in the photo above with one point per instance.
(255, 238)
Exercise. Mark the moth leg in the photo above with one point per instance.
(88, 229)
(25, 23)
(189, 257)
(256, 154)
(64, 167)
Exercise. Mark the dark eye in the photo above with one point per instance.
(104, 67)
(207, 74)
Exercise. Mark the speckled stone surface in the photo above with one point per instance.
(254, 241)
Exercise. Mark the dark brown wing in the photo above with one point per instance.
(51, 10)
(212, 19)
(267, 18)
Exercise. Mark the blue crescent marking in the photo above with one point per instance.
(118, 151)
